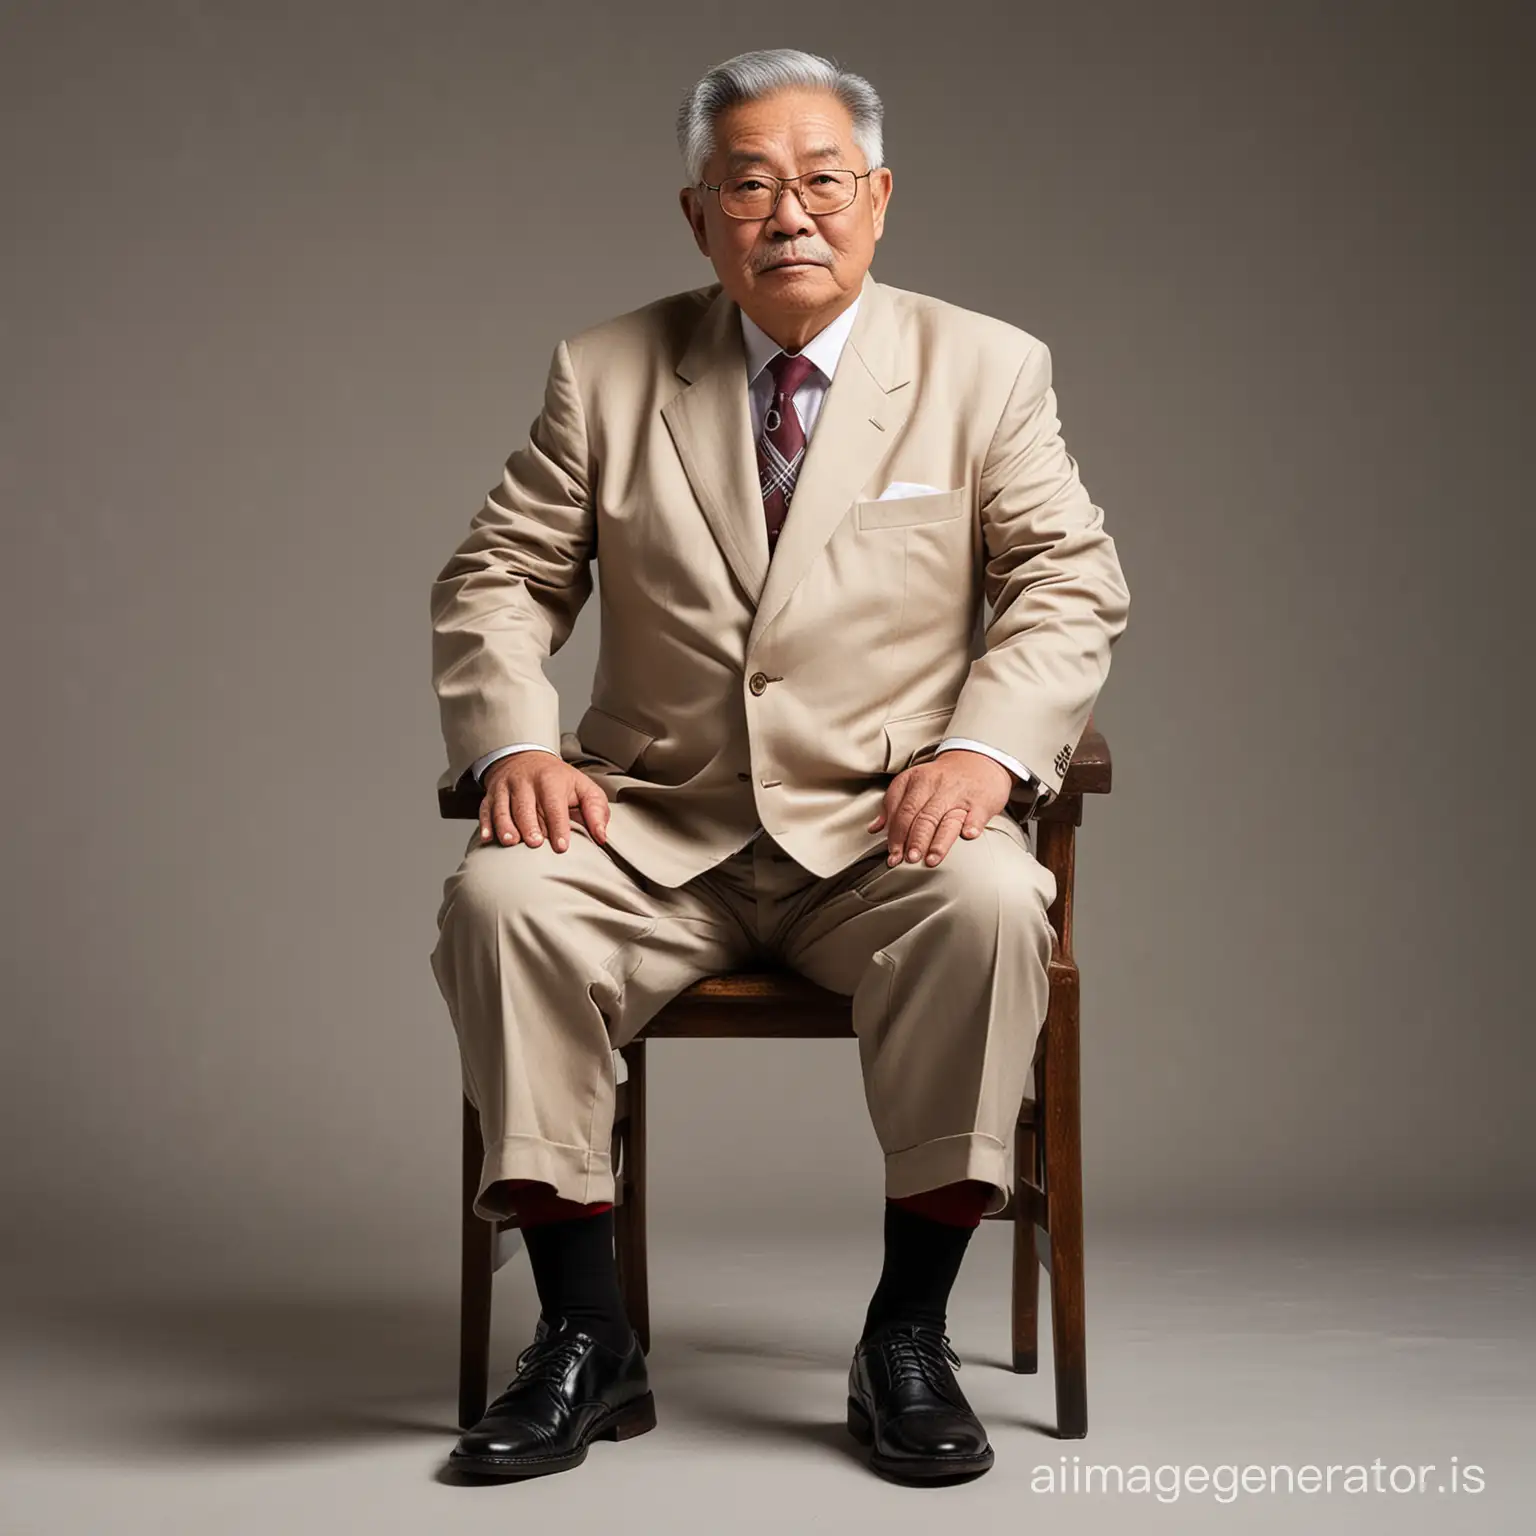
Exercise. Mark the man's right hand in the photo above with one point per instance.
(529, 796)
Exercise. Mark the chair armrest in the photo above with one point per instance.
(1089, 772)
(461, 802)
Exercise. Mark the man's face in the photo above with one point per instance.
(785, 134)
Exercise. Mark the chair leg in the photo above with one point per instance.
(477, 1269)
(1064, 1200)
(629, 1214)
(1026, 1261)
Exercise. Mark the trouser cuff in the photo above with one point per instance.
(948, 1159)
(579, 1174)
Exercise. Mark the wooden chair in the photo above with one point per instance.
(1045, 1207)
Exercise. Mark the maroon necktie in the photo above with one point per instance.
(781, 444)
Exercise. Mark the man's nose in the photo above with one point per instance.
(790, 215)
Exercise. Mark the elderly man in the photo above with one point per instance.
(801, 484)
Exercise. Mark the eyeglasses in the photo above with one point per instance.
(757, 196)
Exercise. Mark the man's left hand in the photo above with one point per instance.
(929, 804)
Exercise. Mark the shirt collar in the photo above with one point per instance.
(823, 349)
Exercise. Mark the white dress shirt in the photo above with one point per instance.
(824, 349)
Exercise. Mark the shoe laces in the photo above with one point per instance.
(914, 1349)
(549, 1358)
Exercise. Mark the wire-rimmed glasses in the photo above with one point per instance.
(756, 195)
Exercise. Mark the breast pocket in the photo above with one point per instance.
(909, 511)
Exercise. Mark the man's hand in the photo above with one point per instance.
(929, 803)
(529, 796)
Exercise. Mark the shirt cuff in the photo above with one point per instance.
(480, 764)
(1012, 764)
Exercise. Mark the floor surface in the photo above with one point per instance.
(215, 1409)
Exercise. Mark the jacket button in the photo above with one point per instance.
(758, 682)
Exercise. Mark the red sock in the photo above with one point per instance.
(960, 1204)
(534, 1201)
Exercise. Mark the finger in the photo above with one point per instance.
(503, 826)
(923, 824)
(902, 829)
(557, 818)
(525, 812)
(898, 817)
(594, 811)
(878, 819)
(485, 817)
(945, 833)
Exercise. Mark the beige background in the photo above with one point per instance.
(279, 289)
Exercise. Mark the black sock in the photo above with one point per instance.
(577, 1276)
(922, 1258)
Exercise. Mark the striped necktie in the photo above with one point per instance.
(781, 444)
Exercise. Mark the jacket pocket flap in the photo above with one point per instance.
(904, 736)
(605, 735)
(904, 511)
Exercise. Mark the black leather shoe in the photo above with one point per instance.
(569, 1390)
(904, 1402)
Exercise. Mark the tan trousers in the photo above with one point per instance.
(549, 961)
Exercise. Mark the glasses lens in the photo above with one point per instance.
(751, 197)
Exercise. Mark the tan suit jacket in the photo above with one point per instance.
(731, 691)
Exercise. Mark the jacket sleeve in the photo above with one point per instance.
(1054, 582)
(510, 593)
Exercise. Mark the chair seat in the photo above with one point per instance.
(772, 1004)
(767, 1004)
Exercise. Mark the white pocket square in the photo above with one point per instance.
(907, 488)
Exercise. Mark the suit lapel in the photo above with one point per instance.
(711, 425)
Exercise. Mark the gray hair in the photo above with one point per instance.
(760, 73)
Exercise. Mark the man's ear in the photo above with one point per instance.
(687, 198)
(879, 215)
